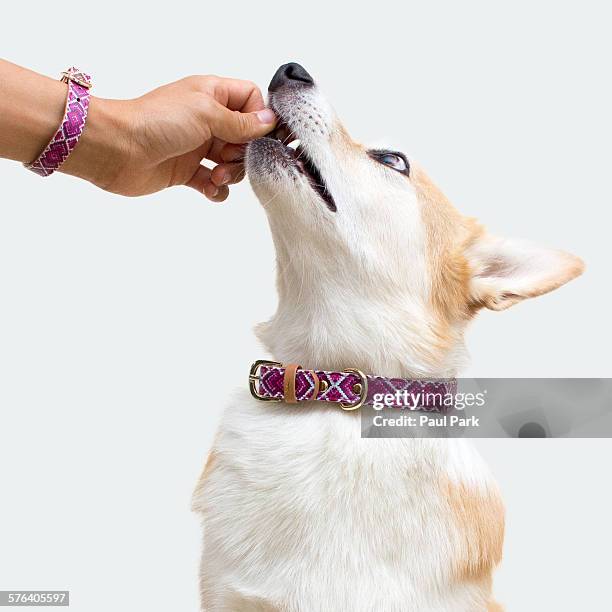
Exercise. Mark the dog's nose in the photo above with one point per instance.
(290, 74)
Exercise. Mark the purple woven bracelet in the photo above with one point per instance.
(71, 128)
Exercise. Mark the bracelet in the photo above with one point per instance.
(71, 127)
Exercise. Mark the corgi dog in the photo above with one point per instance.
(375, 270)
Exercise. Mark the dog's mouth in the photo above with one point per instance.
(283, 134)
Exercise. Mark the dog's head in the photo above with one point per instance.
(372, 258)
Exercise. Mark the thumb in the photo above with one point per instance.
(237, 127)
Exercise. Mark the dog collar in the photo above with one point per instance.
(350, 388)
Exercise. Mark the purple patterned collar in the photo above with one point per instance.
(351, 388)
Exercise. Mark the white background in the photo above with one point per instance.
(124, 324)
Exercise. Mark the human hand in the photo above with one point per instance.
(141, 146)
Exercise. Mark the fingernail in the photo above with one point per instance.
(212, 193)
(266, 116)
(226, 178)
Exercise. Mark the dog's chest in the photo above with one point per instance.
(292, 496)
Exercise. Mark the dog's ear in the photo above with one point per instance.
(505, 272)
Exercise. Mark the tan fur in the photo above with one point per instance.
(448, 235)
(479, 517)
(478, 514)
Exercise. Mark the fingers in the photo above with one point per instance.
(227, 174)
(221, 151)
(217, 194)
(200, 179)
(232, 152)
(236, 94)
(237, 127)
(201, 182)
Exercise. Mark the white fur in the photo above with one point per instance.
(299, 512)
(362, 269)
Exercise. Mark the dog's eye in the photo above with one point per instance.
(393, 159)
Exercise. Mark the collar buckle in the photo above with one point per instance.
(254, 379)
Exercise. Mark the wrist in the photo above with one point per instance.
(103, 148)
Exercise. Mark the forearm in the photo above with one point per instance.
(31, 109)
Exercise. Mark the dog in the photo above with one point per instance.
(377, 271)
